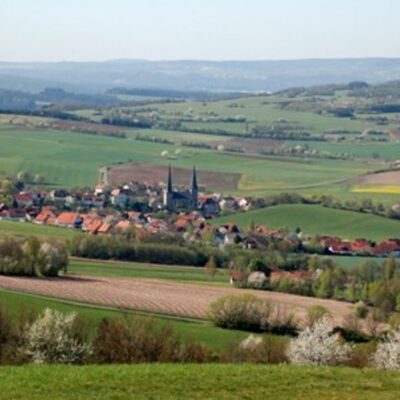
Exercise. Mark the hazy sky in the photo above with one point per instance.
(53, 30)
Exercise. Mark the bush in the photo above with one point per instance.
(387, 355)
(317, 345)
(316, 313)
(266, 349)
(55, 338)
(244, 312)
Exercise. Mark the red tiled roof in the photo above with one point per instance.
(67, 218)
(123, 225)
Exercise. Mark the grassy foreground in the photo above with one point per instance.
(165, 381)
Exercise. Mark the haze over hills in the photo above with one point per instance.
(195, 75)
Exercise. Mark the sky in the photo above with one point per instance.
(91, 30)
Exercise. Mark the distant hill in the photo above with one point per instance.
(195, 75)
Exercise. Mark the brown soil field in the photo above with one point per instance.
(121, 174)
(253, 145)
(382, 178)
(157, 296)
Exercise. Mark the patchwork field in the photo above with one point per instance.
(156, 296)
(73, 159)
(317, 220)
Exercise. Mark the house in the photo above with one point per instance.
(210, 207)
(44, 216)
(14, 214)
(69, 220)
(102, 189)
(91, 223)
(23, 200)
(59, 196)
(119, 198)
(229, 203)
(390, 247)
(123, 225)
(361, 247)
(104, 228)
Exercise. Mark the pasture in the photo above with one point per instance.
(209, 381)
(317, 220)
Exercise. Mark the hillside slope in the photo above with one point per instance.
(314, 219)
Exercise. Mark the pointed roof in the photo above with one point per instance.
(169, 180)
(194, 180)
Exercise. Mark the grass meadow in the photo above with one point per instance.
(317, 220)
(218, 381)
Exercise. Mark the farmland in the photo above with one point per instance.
(202, 331)
(159, 296)
(201, 381)
(317, 220)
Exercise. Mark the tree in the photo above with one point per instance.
(54, 338)
(24, 176)
(211, 267)
(387, 354)
(34, 256)
(38, 179)
(390, 268)
(317, 345)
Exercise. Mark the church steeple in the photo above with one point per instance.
(195, 190)
(169, 180)
(195, 187)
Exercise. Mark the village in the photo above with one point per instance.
(150, 208)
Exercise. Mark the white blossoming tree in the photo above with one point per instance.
(387, 354)
(52, 338)
(317, 345)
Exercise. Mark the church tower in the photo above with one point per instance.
(195, 190)
(168, 191)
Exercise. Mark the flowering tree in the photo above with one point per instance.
(317, 345)
(53, 338)
(387, 355)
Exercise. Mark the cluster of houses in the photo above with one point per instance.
(163, 208)
(361, 247)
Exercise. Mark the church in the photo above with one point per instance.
(185, 200)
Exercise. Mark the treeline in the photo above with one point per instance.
(32, 257)
(119, 247)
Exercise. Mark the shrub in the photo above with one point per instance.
(387, 355)
(317, 345)
(245, 312)
(55, 338)
(316, 313)
(266, 349)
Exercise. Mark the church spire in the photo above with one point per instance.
(195, 187)
(169, 180)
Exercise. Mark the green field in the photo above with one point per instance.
(27, 229)
(188, 328)
(148, 271)
(317, 220)
(72, 159)
(166, 381)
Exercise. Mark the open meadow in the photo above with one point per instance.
(317, 220)
(220, 382)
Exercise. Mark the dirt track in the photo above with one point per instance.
(157, 296)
